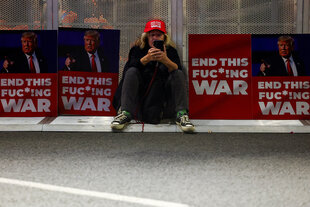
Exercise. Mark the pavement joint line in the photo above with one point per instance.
(47, 120)
(305, 122)
(103, 195)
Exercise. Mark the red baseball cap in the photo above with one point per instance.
(155, 25)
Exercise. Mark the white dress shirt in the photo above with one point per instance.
(96, 60)
(35, 61)
(293, 65)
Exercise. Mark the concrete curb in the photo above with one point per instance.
(102, 124)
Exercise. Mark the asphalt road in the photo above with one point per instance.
(154, 169)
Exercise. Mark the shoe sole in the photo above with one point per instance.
(118, 126)
(186, 129)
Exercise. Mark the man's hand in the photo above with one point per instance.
(7, 63)
(69, 61)
(264, 66)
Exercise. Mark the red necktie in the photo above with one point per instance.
(93, 64)
(32, 68)
(289, 69)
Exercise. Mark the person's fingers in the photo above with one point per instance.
(262, 67)
(6, 64)
(68, 61)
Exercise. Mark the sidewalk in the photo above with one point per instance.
(102, 124)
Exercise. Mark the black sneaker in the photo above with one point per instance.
(185, 124)
(121, 120)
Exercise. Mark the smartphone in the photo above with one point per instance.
(159, 44)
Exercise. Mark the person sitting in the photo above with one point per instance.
(153, 85)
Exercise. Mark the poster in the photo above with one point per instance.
(28, 79)
(82, 93)
(73, 45)
(28, 95)
(220, 77)
(249, 76)
(278, 93)
(85, 89)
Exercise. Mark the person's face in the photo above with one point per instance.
(285, 49)
(155, 35)
(91, 44)
(28, 45)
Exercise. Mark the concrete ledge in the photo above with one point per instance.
(102, 124)
(20, 123)
(253, 129)
(21, 127)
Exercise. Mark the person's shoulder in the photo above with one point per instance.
(18, 56)
(272, 58)
(18, 53)
(172, 52)
(39, 54)
(100, 50)
(135, 48)
(79, 53)
(296, 57)
(171, 49)
(102, 53)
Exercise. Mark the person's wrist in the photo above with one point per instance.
(144, 60)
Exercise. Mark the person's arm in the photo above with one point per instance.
(145, 59)
(173, 56)
(167, 62)
(134, 57)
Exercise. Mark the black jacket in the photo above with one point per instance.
(83, 64)
(278, 68)
(20, 63)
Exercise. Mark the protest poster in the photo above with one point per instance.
(220, 76)
(281, 89)
(83, 88)
(28, 95)
(28, 79)
(82, 93)
(281, 98)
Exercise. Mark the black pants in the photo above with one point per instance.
(164, 98)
